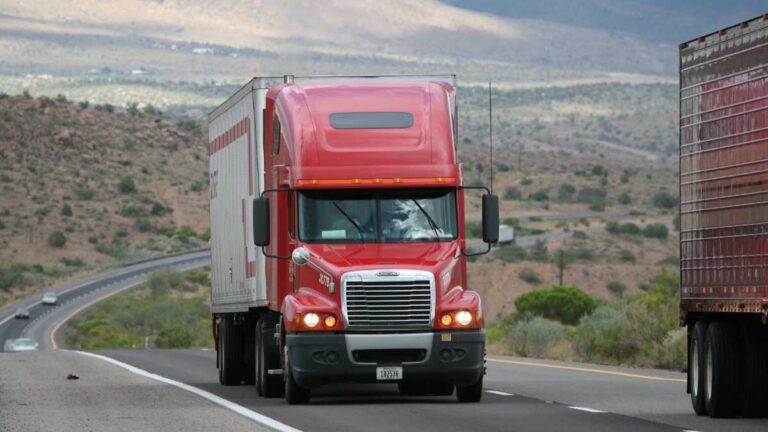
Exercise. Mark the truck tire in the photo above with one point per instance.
(754, 367)
(230, 353)
(696, 367)
(470, 393)
(249, 368)
(268, 352)
(722, 370)
(294, 394)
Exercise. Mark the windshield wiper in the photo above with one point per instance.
(352, 221)
(429, 219)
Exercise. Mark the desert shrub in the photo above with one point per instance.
(656, 230)
(161, 282)
(603, 336)
(66, 210)
(625, 199)
(539, 251)
(629, 228)
(511, 253)
(539, 195)
(13, 276)
(173, 337)
(474, 229)
(578, 234)
(533, 338)
(126, 185)
(589, 195)
(676, 220)
(143, 225)
(2, 225)
(664, 200)
(529, 276)
(616, 288)
(73, 262)
(566, 304)
(626, 256)
(597, 205)
(159, 209)
(673, 352)
(579, 253)
(196, 186)
(199, 277)
(134, 211)
(57, 239)
(512, 193)
(185, 234)
(85, 194)
(671, 260)
(526, 181)
(566, 192)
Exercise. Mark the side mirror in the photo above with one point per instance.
(490, 218)
(261, 221)
(300, 256)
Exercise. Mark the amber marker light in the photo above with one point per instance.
(330, 321)
(446, 320)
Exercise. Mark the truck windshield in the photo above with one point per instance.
(377, 216)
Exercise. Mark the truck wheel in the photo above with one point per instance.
(249, 368)
(696, 367)
(754, 376)
(230, 353)
(413, 388)
(722, 370)
(294, 394)
(271, 385)
(470, 393)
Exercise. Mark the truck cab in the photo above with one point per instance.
(359, 223)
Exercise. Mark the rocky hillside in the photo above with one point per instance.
(83, 185)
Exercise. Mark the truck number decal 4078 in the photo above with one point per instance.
(325, 280)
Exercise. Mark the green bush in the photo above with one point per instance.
(134, 211)
(13, 276)
(173, 337)
(526, 181)
(511, 253)
(529, 276)
(159, 209)
(603, 336)
(533, 338)
(539, 195)
(625, 228)
(664, 200)
(617, 288)
(597, 205)
(512, 193)
(126, 185)
(85, 194)
(566, 192)
(656, 230)
(66, 210)
(625, 199)
(578, 234)
(579, 253)
(589, 195)
(73, 262)
(626, 256)
(57, 239)
(143, 225)
(2, 225)
(161, 282)
(566, 304)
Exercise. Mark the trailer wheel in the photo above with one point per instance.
(270, 385)
(470, 393)
(294, 394)
(754, 376)
(230, 353)
(249, 366)
(722, 370)
(696, 367)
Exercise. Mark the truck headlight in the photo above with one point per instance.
(311, 320)
(463, 318)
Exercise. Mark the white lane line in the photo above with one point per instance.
(589, 410)
(500, 393)
(239, 409)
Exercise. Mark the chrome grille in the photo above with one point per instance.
(388, 302)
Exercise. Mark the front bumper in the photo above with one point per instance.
(317, 359)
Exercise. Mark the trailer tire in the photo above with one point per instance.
(249, 366)
(294, 394)
(470, 393)
(271, 386)
(696, 367)
(230, 353)
(754, 377)
(722, 370)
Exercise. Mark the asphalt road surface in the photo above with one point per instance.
(520, 394)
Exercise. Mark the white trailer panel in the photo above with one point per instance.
(235, 135)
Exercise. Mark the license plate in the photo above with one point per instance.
(389, 373)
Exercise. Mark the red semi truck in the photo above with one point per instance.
(337, 237)
(724, 218)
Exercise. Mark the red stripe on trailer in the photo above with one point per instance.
(250, 266)
(243, 127)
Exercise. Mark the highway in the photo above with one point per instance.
(520, 394)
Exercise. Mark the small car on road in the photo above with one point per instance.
(50, 298)
(21, 313)
(20, 345)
